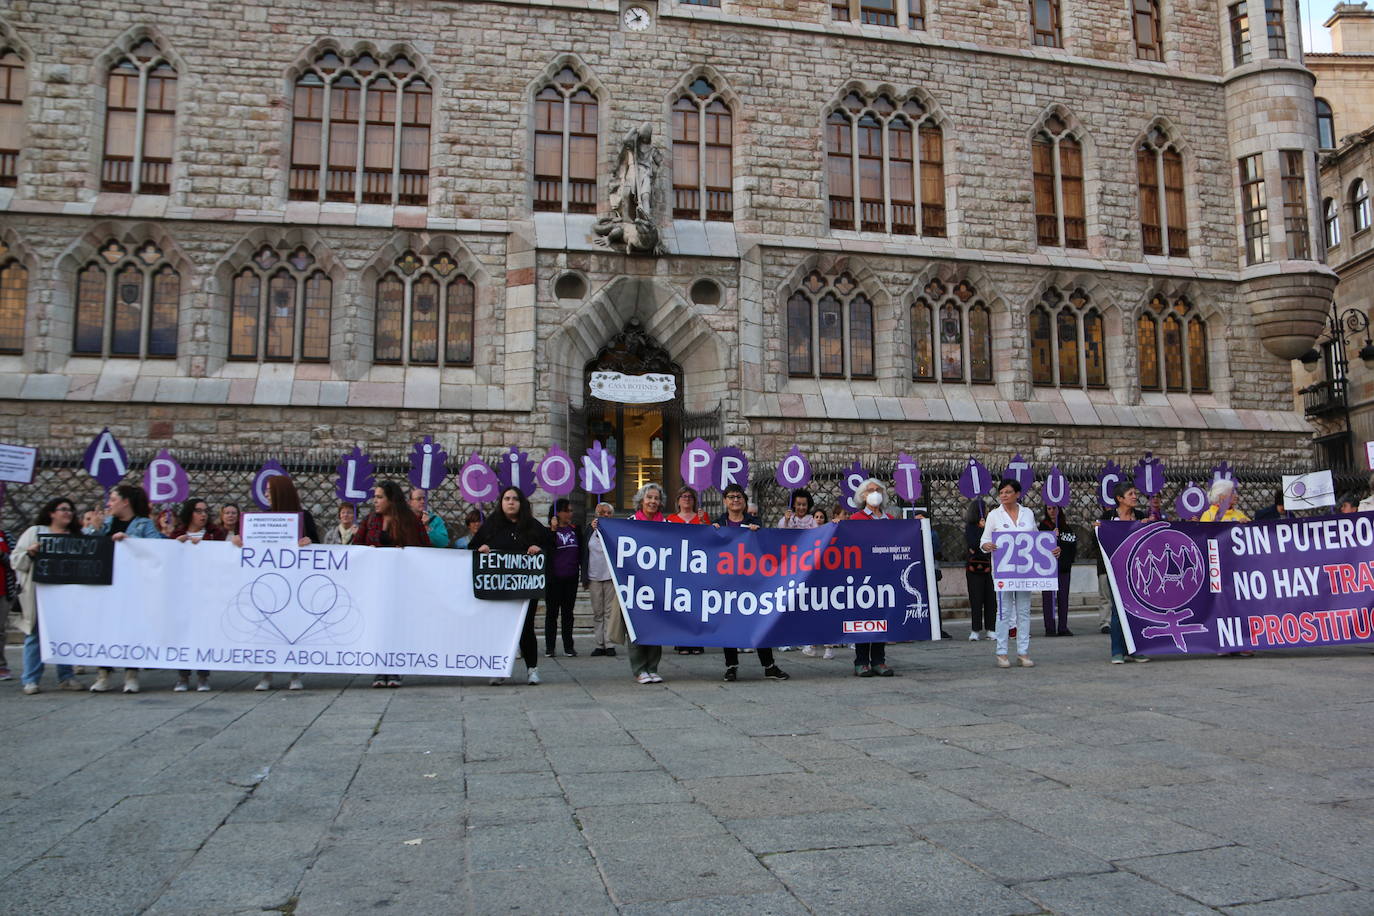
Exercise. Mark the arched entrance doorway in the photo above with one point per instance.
(646, 438)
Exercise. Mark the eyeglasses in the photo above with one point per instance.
(64, 509)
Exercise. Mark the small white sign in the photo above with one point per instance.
(1369, 454)
(270, 529)
(1308, 491)
(16, 463)
(633, 389)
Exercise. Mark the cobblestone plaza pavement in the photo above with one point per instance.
(1206, 785)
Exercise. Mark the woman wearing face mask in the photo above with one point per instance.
(870, 658)
(513, 529)
(1013, 607)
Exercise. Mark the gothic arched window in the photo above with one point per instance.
(14, 86)
(951, 335)
(280, 309)
(1159, 167)
(140, 122)
(425, 308)
(885, 163)
(1068, 342)
(360, 131)
(1172, 343)
(1057, 166)
(830, 329)
(14, 294)
(565, 141)
(703, 173)
(126, 304)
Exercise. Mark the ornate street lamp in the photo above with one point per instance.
(1331, 395)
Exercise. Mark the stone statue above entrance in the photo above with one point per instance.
(632, 224)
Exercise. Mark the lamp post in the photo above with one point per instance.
(1341, 327)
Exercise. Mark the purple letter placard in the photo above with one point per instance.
(598, 470)
(516, 470)
(477, 482)
(1055, 491)
(854, 476)
(794, 471)
(1190, 503)
(975, 481)
(428, 465)
(270, 468)
(732, 466)
(698, 462)
(105, 459)
(1149, 475)
(357, 477)
(165, 480)
(908, 477)
(1107, 479)
(1020, 470)
(557, 474)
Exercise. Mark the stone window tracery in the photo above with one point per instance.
(1057, 167)
(703, 171)
(830, 329)
(140, 122)
(14, 86)
(1159, 166)
(425, 308)
(1171, 338)
(1067, 342)
(280, 309)
(126, 303)
(566, 131)
(951, 335)
(885, 166)
(360, 131)
(14, 294)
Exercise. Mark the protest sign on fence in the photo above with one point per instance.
(1197, 588)
(702, 586)
(317, 608)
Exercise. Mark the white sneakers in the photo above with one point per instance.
(534, 677)
(496, 681)
(644, 677)
(296, 683)
(974, 636)
(829, 653)
(102, 683)
(30, 689)
(130, 682)
(181, 686)
(203, 684)
(809, 651)
(264, 683)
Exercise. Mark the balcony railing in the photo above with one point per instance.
(1322, 399)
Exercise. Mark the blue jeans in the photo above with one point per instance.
(33, 661)
(1118, 638)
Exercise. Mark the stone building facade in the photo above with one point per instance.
(944, 228)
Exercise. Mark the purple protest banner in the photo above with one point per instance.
(1195, 588)
(731, 466)
(1107, 479)
(598, 470)
(270, 468)
(1024, 561)
(1149, 475)
(357, 477)
(477, 482)
(557, 475)
(697, 464)
(428, 465)
(854, 475)
(1020, 470)
(1055, 491)
(975, 481)
(516, 470)
(105, 459)
(794, 471)
(907, 477)
(165, 480)
(1190, 503)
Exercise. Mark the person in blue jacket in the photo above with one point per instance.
(126, 516)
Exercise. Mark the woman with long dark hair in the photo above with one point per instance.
(512, 529)
(565, 568)
(1066, 536)
(193, 526)
(282, 497)
(978, 573)
(58, 516)
(392, 524)
(127, 517)
(689, 513)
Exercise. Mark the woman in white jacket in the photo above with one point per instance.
(57, 517)
(1013, 608)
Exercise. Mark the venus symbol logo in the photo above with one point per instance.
(1162, 570)
(314, 611)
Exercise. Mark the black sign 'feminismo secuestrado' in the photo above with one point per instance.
(498, 575)
(72, 559)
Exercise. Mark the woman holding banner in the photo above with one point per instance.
(127, 517)
(1126, 497)
(689, 513)
(391, 524)
(193, 526)
(512, 529)
(1013, 607)
(282, 497)
(644, 659)
(57, 517)
(870, 658)
(1221, 499)
(738, 516)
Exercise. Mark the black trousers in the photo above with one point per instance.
(732, 658)
(982, 601)
(529, 644)
(560, 596)
(870, 653)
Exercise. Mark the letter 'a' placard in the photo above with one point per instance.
(72, 559)
(497, 575)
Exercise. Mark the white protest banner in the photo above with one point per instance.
(1308, 491)
(341, 610)
(270, 529)
(16, 463)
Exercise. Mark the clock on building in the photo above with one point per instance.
(636, 18)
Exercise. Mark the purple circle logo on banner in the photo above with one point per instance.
(270, 468)
(1107, 479)
(357, 477)
(165, 480)
(854, 475)
(477, 482)
(975, 481)
(731, 466)
(1191, 502)
(1149, 475)
(794, 471)
(697, 465)
(1055, 491)
(1020, 470)
(598, 470)
(908, 477)
(1166, 569)
(516, 470)
(105, 459)
(428, 464)
(557, 474)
